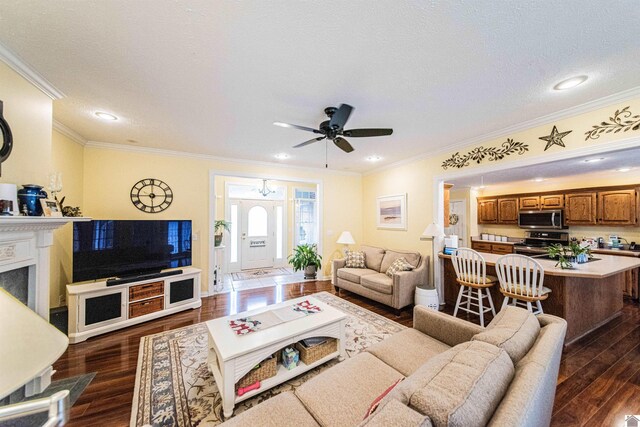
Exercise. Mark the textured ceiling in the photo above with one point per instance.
(211, 76)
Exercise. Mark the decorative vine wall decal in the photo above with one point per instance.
(478, 154)
(622, 120)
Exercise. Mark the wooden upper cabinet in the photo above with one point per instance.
(580, 208)
(488, 211)
(447, 207)
(508, 211)
(552, 201)
(617, 207)
(529, 203)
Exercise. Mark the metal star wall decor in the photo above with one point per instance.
(555, 138)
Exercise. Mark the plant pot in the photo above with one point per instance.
(310, 272)
(217, 240)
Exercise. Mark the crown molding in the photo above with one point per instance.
(596, 104)
(29, 73)
(69, 133)
(184, 154)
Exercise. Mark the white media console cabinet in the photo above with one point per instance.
(95, 308)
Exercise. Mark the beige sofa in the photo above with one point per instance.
(372, 282)
(454, 373)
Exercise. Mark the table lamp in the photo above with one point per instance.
(432, 231)
(346, 239)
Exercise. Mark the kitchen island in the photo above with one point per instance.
(587, 296)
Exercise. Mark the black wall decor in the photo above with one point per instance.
(554, 138)
(151, 195)
(622, 120)
(7, 139)
(478, 154)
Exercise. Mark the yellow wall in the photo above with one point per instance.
(67, 157)
(109, 175)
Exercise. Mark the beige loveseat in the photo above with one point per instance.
(454, 373)
(372, 282)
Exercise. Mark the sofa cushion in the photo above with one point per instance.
(354, 259)
(341, 395)
(354, 274)
(395, 414)
(372, 257)
(378, 282)
(412, 258)
(272, 412)
(407, 350)
(400, 264)
(514, 329)
(460, 387)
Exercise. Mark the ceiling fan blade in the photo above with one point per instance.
(311, 141)
(341, 116)
(343, 144)
(359, 133)
(287, 125)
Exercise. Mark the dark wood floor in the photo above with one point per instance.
(599, 378)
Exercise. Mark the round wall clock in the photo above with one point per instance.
(151, 195)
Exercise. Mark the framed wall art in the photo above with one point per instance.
(50, 207)
(391, 212)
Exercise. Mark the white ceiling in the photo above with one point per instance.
(556, 170)
(210, 77)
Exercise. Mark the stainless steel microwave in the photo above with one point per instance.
(549, 219)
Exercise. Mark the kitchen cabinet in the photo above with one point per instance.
(552, 201)
(529, 203)
(580, 208)
(508, 211)
(617, 207)
(488, 211)
(492, 248)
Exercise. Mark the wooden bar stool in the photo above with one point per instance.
(521, 278)
(471, 275)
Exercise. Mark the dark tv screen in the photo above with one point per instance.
(113, 248)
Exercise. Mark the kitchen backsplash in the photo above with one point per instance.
(631, 234)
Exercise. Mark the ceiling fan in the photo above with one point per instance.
(333, 129)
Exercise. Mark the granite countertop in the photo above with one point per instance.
(618, 252)
(607, 265)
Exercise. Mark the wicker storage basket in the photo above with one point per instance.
(309, 355)
(268, 368)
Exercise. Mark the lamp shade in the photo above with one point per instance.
(346, 239)
(433, 230)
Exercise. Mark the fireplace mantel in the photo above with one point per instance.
(35, 223)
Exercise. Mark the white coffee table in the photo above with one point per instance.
(232, 356)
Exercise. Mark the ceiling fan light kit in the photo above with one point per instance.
(333, 129)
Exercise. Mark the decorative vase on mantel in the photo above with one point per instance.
(29, 199)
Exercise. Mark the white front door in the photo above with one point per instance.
(257, 234)
(458, 221)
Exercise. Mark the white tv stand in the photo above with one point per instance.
(95, 308)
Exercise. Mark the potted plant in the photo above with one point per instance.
(218, 227)
(305, 257)
(560, 253)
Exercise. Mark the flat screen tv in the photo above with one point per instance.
(113, 248)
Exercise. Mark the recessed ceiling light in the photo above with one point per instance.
(597, 159)
(538, 179)
(281, 156)
(570, 83)
(374, 158)
(623, 169)
(106, 116)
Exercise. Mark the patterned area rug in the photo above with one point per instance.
(259, 273)
(175, 388)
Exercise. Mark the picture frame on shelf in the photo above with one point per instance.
(391, 212)
(51, 208)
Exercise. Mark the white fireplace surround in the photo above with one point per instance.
(25, 242)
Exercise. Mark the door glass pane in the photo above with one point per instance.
(257, 222)
(279, 227)
(234, 234)
(306, 222)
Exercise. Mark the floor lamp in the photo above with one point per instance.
(432, 231)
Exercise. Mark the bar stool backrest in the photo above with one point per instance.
(520, 275)
(470, 266)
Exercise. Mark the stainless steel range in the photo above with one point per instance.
(537, 242)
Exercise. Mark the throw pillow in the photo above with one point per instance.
(376, 402)
(354, 260)
(401, 264)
